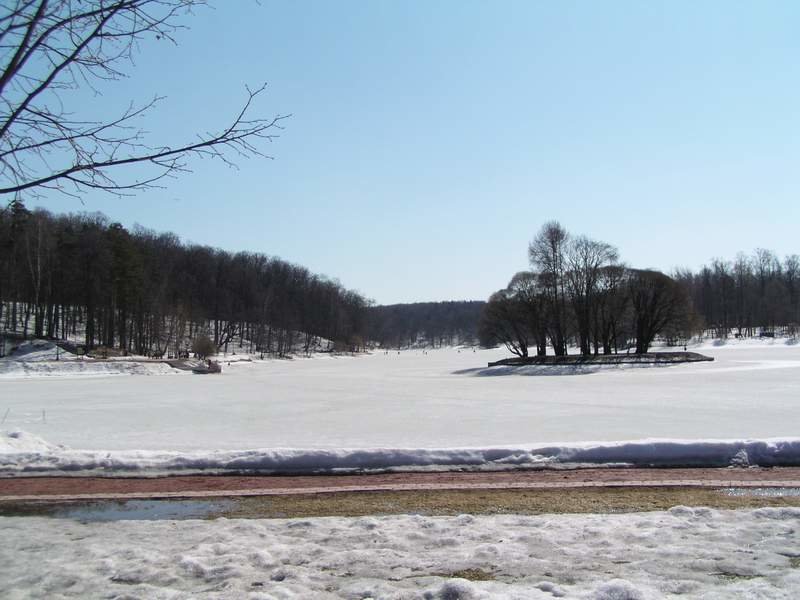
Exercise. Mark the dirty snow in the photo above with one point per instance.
(24, 453)
(691, 552)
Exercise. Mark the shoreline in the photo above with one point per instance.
(647, 358)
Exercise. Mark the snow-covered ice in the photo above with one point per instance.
(410, 408)
(686, 552)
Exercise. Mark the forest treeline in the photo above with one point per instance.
(83, 277)
(579, 293)
(426, 323)
(755, 294)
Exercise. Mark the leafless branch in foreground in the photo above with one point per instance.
(51, 47)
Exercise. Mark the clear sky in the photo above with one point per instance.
(431, 139)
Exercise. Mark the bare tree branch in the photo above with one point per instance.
(51, 47)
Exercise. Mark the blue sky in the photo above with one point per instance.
(430, 140)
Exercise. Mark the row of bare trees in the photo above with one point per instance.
(81, 277)
(577, 292)
(755, 294)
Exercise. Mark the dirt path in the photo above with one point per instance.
(96, 488)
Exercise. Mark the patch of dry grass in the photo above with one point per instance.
(470, 574)
(526, 502)
(452, 502)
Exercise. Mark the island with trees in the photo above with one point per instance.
(579, 293)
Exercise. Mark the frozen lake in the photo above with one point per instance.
(412, 400)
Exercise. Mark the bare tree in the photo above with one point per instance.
(547, 253)
(585, 260)
(49, 48)
(791, 273)
(503, 322)
(657, 301)
(742, 272)
(611, 308)
(724, 286)
(526, 288)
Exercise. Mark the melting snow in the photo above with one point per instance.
(643, 556)
(22, 452)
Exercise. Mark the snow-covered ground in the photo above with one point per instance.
(440, 400)
(40, 358)
(686, 552)
(82, 368)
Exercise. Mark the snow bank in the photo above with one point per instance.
(24, 443)
(692, 553)
(21, 452)
(45, 367)
(41, 358)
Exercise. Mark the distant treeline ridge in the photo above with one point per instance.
(425, 323)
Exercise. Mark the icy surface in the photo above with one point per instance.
(694, 553)
(412, 401)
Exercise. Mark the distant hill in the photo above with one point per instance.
(425, 323)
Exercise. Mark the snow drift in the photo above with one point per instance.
(21, 453)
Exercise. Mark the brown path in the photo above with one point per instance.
(89, 488)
